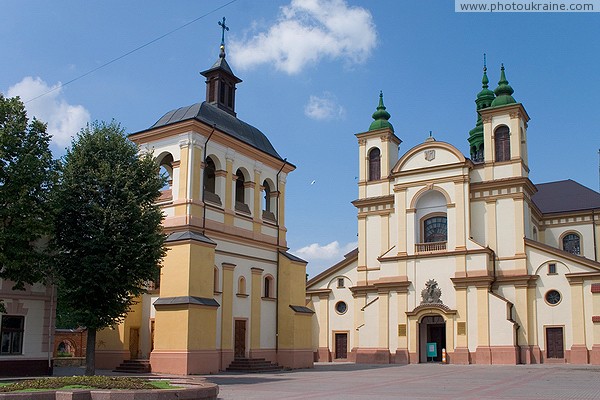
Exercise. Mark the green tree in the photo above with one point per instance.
(27, 176)
(108, 237)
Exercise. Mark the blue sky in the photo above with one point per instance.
(312, 72)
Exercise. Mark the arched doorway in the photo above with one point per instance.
(432, 329)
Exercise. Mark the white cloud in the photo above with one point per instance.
(64, 120)
(307, 31)
(324, 107)
(320, 257)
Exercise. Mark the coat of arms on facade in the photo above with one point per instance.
(432, 293)
(429, 155)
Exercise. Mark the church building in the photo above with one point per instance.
(463, 254)
(228, 287)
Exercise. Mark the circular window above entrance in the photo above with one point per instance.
(553, 297)
(341, 307)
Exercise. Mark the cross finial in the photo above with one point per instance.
(223, 29)
(484, 63)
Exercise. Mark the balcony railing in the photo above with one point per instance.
(432, 247)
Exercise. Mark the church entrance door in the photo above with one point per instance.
(341, 345)
(432, 329)
(240, 339)
(554, 343)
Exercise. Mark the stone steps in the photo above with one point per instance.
(253, 365)
(134, 367)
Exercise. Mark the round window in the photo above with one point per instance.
(553, 297)
(341, 307)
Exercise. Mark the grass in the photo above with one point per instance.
(84, 382)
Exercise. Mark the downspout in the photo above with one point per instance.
(594, 232)
(204, 183)
(50, 330)
(278, 238)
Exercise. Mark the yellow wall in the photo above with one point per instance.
(295, 329)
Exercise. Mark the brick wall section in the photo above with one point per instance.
(595, 287)
(76, 337)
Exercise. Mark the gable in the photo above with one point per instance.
(427, 155)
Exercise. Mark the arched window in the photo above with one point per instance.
(374, 164)
(267, 198)
(210, 175)
(535, 233)
(241, 285)
(239, 187)
(502, 140)
(572, 243)
(268, 287)
(166, 171)
(435, 229)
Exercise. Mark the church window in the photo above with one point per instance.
(435, 229)
(268, 289)
(267, 203)
(221, 93)
(374, 164)
(502, 140)
(166, 171)
(211, 91)
(210, 175)
(229, 96)
(572, 243)
(12, 334)
(239, 187)
(341, 307)
(552, 297)
(535, 233)
(340, 283)
(551, 269)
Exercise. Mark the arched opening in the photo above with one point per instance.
(432, 338)
(432, 222)
(571, 242)
(210, 175)
(239, 186)
(268, 289)
(502, 142)
(374, 164)
(268, 204)
(241, 285)
(165, 171)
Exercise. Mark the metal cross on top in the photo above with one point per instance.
(223, 28)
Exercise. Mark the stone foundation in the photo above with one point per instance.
(461, 355)
(595, 355)
(483, 355)
(110, 359)
(295, 358)
(268, 354)
(579, 354)
(323, 354)
(401, 356)
(373, 356)
(185, 362)
(505, 355)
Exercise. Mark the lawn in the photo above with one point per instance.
(85, 382)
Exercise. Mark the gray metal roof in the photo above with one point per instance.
(565, 196)
(223, 121)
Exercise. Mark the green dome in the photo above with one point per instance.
(381, 117)
(503, 92)
(484, 99)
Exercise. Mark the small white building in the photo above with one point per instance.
(463, 254)
(26, 329)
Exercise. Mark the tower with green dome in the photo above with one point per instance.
(381, 117)
(484, 100)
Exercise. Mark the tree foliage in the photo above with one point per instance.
(27, 177)
(108, 237)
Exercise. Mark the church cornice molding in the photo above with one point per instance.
(514, 111)
(505, 183)
(580, 277)
(461, 178)
(477, 281)
(423, 309)
(517, 280)
(563, 254)
(385, 135)
(401, 257)
(374, 201)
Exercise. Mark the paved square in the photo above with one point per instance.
(418, 381)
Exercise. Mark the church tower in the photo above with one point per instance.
(504, 133)
(378, 153)
(484, 100)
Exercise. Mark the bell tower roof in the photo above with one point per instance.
(503, 92)
(381, 117)
(484, 100)
(220, 79)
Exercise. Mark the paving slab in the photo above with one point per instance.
(415, 381)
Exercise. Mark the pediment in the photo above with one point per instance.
(429, 154)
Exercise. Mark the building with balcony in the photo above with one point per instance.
(464, 254)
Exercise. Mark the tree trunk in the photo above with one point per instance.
(90, 353)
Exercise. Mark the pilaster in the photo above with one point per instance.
(255, 308)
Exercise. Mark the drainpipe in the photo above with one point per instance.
(50, 335)
(278, 238)
(204, 183)
(594, 232)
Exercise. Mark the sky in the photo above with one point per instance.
(312, 72)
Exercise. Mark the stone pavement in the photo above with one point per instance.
(416, 381)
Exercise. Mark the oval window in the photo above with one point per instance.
(553, 297)
(341, 307)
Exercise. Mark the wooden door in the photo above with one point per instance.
(240, 339)
(341, 345)
(554, 343)
(134, 342)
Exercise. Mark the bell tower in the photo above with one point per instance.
(504, 134)
(220, 80)
(484, 100)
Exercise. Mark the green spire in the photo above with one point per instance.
(484, 100)
(503, 92)
(381, 117)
